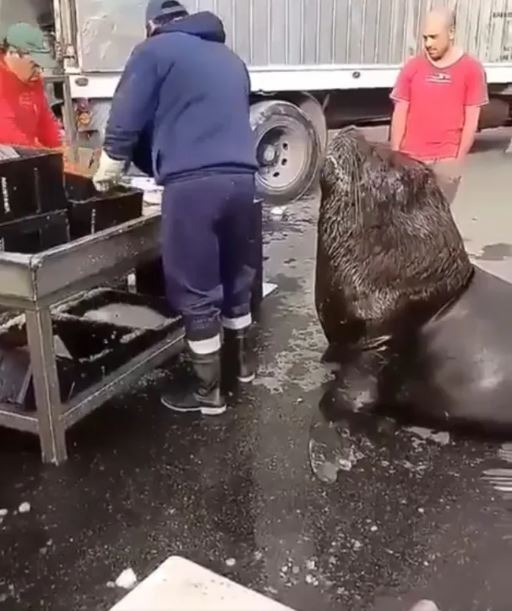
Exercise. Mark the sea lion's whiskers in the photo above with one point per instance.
(359, 207)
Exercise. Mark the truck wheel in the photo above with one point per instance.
(311, 107)
(288, 150)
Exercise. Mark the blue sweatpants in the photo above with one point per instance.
(206, 232)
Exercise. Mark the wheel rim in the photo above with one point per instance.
(282, 153)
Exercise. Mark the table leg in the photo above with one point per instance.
(52, 432)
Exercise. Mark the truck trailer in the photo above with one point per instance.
(314, 65)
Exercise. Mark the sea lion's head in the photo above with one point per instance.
(370, 184)
(387, 241)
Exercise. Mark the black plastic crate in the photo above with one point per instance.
(16, 382)
(106, 343)
(33, 234)
(31, 184)
(79, 188)
(90, 349)
(90, 211)
(16, 378)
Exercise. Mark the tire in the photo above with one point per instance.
(288, 150)
(312, 108)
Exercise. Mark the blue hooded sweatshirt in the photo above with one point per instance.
(182, 104)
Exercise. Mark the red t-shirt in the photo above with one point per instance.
(437, 100)
(26, 118)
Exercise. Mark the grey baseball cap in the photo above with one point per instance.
(165, 8)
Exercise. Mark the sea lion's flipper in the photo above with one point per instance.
(357, 385)
(331, 357)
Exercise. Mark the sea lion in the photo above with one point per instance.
(410, 322)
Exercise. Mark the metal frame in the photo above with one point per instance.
(34, 283)
(68, 114)
(277, 79)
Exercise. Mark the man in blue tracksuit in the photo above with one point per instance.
(181, 113)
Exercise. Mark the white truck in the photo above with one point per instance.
(313, 63)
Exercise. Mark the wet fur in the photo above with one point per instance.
(389, 255)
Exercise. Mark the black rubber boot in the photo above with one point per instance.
(204, 396)
(240, 354)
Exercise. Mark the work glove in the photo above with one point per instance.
(108, 173)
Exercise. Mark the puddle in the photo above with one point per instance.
(440, 437)
(338, 441)
(127, 315)
(505, 452)
(495, 252)
(499, 478)
(330, 452)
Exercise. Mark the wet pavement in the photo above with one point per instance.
(386, 516)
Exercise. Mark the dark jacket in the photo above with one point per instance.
(182, 104)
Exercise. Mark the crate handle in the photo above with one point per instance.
(5, 196)
(37, 189)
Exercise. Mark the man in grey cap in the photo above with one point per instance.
(181, 114)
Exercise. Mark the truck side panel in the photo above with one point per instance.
(269, 33)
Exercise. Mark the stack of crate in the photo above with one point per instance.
(41, 206)
(33, 205)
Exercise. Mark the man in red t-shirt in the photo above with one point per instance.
(438, 98)
(26, 118)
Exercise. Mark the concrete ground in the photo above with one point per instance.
(413, 514)
(482, 208)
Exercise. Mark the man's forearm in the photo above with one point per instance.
(120, 137)
(466, 142)
(398, 125)
(468, 131)
(119, 145)
(397, 132)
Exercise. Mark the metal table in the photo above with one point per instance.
(34, 283)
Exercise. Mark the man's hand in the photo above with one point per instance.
(398, 124)
(108, 173)
(449, 168)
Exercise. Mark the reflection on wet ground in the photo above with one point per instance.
(446, 498)
(338, 440)
(495, 252)
(362, 515)
(499, 478)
